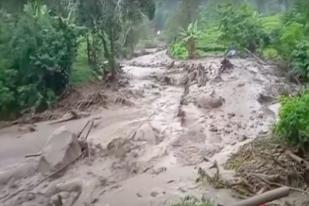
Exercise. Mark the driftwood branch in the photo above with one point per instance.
(297, 158)
(33, 155)
(302, 162)
(67, 117)
(255, 56)
(265, 198)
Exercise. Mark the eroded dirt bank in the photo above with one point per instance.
(175, 117)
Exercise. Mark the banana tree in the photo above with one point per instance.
(189, 37)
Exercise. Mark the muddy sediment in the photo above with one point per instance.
(182, 115)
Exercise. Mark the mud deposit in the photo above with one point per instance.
(180, 117)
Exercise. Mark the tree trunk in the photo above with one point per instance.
(88, 50)
(265, 198)
(191, 48)
(105, 48)
(112, 61)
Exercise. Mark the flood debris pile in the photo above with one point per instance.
(262, 166)
(77, 102)
(82, 101)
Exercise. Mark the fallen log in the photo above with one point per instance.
(67, 117)
(265, 198)
(297, 159)
(302, 162)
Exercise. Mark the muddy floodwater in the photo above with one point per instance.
(150, 150)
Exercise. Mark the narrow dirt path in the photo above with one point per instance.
(151, 149)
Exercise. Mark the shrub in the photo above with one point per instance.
(270, 53)
(289, 36)
(293, 125)
(241, 27)
(300, 59)
(209, 40)
(179, 50)
(36, 65)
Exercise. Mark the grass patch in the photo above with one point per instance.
(81, 72)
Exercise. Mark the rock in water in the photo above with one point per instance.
(61, 148)
(209, 101)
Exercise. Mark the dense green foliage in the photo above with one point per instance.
(45, 48)
(293, 125)
(37, 53)
(293, 46)
(300, 59)
(282, 36)
(179, 50)
(241, 27)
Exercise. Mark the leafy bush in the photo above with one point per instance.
(210, 41)
(270, 53)
(269, 23)
(39, 53)
(179, 50)
(241, 27)
(288, 38)
(293, 125)
(300, 59)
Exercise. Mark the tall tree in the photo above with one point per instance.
(107, 18)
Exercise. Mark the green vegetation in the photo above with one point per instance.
(179, 50)
(241, 27)
(189, 37)
(192, 201)
(300, 59)
(274, 31)
(293, 126)
(46, 45)
(210, 40)
(112, 25)
(37, 54)
(82, 72)
(281, 35)
(44, 48)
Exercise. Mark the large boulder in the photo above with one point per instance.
(209, 101)
(61, 149)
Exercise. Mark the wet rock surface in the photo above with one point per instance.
(61, 149)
